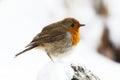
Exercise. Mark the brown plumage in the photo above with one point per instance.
(56, 38)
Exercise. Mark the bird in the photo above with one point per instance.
(56, 38)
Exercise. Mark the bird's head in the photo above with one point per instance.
(72, 26)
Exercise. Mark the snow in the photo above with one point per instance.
(21, 20)
(55, 71)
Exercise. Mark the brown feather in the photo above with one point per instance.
(53, 35)
(29, 48)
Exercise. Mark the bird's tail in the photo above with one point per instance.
(27, 49)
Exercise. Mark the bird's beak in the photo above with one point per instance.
(82, 25)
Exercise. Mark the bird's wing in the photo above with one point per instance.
(45, 36)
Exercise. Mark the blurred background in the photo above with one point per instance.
(21, 20)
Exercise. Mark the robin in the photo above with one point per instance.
(56, 38)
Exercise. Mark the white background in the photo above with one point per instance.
(21, 20)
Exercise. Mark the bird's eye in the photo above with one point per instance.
(72, 25)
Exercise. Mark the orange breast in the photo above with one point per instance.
(75, 35)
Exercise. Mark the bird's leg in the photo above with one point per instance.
(50, 57)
